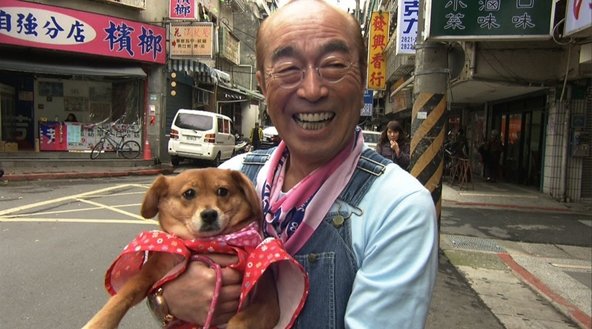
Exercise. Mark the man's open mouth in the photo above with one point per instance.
(313, 121)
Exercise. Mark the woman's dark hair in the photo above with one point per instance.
(393, 125)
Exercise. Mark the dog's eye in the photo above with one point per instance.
(189, 194)
(222, 191)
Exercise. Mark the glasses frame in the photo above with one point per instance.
(273, 75)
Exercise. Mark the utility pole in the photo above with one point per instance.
(429, 115)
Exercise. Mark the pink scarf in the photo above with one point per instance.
(294, 216)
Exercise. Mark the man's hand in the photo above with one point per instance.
(189, 296)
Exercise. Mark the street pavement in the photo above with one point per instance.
(526, 256)
(510, 257)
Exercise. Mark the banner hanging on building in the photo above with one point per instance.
(407, 21)
(377, 41)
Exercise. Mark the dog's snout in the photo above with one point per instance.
(209, 216)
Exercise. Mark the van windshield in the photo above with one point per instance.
(194, 121)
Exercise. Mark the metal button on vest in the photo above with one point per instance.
(312, 258)
(338, 221)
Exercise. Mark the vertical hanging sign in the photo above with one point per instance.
(378, 39)
(183, 9)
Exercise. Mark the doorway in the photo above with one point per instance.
(521, 127)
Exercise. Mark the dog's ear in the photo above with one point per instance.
(249, 191)
(157, 190)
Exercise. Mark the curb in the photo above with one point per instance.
(454, 203)
(89, 174)
(560, 303)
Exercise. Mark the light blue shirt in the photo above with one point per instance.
(395, 245)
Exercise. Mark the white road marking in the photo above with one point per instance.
(12, 214)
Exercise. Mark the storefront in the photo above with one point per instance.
(69, 65)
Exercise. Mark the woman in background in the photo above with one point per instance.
(393, 144)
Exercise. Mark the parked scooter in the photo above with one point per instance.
(242, 146)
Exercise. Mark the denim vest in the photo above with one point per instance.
(328, 257)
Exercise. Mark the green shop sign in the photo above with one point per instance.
(489, 19)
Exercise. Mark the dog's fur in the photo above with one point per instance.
(196, 203)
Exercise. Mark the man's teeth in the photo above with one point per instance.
(313, 121)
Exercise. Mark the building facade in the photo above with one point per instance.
(529, 81)
(126, 64)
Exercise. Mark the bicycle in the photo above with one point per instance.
(129, 149)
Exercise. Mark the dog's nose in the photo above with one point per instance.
(209, 216)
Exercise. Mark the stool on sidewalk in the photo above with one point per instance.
(463, 173)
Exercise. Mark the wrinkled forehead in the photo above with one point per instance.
(297, 27)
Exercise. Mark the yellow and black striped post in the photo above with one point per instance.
(429, 118)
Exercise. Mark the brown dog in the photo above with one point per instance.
(194, 204)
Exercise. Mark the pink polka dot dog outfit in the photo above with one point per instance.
(254, 257)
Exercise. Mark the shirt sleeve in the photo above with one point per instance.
(395, 243)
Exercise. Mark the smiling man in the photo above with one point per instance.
(362, 227)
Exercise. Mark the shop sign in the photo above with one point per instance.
(368, 99)
(377, 41)
(229, 46)
(192, 40)
(41, 26)
(52, 136)
(491, 19)
(578, 16)
(407, 20)
(182, 9)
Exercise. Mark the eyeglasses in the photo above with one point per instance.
(290, 75)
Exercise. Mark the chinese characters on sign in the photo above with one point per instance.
(183, 9)
(487, 19)
(192, 40)
(377, 41)
(41, 26)
(407, 20)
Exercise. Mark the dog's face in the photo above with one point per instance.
(202, 202)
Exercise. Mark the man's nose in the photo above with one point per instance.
(312, 86)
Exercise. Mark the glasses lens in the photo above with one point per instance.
(331, 70)
(334, 71)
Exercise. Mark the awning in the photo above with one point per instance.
(231, 95)
(61, 69)
(199, 70)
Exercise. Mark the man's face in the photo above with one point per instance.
(315, 116)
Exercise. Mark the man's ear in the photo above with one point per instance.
(261, 82)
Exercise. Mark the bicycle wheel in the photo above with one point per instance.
(97, 149)
(130, 149)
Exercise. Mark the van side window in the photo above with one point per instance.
(227, 126)
(220, 125)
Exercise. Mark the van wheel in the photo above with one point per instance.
(217, 160)
(175, 161)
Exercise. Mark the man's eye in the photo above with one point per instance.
(287, 70)
(334, 65)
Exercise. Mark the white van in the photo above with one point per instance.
(200, 135)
